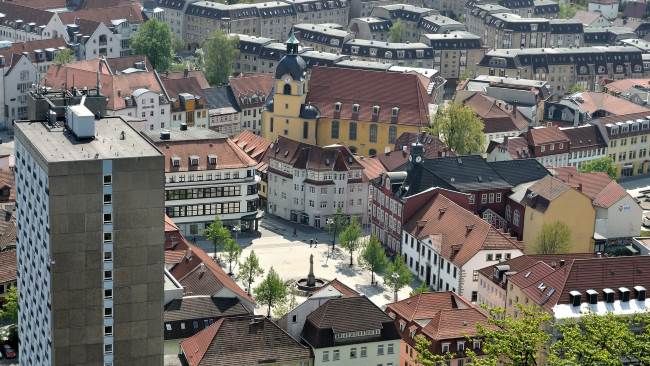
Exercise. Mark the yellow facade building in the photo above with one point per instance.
(362, 109)
(550, 200)
(627, 142)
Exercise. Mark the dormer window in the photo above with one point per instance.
(592, 296)
(623, 294)
(608, 293)
(375, 110)
(337, 107)
(355, 108)
(395, 112)
(575, 297)
(176, 161)
(194, 160)
(212, 159)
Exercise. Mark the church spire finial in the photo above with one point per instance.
(292, 43)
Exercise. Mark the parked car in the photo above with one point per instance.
(8, 352)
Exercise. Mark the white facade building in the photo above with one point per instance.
(148, 105)
(308, 184)
(21, 24)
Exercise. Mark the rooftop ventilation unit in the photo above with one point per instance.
(81, 121)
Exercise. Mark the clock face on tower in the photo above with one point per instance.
(418, 159)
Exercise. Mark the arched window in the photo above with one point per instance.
(515, 218)
(287, 89)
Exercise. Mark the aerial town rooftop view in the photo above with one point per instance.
(324, 182)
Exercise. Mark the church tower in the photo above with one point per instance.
(286, 113)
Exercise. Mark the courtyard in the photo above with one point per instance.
(277, 247)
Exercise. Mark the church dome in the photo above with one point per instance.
(291, 63)
(309, 112)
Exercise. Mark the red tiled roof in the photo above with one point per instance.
(8, 266)
(13, 11)
(190, 85)
(495, 114)
(229, 155)
(372, 167)
(592, 102)
(603, 190)
(86, 26)
(244, 340)
(544, 135)
(41, 4)
(553, 287)
(196, 74)
(516, 147)
(254, 86)
(459, 232)
(433, 146)
(312, 157)
(623, 85)
(585, 136)
(7, 180)
(115, 87)
(343, 288)
(407, 91)
(549, 187)
(448, 315)
(130, 12)
(253, 145)
(30, 47)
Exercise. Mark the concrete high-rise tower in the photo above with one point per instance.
(90, 205)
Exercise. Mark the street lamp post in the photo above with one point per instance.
(395, 278)
(334, 223)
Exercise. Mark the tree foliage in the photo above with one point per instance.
(218, 234)
(515, 340)
(350, 238)
(63, 57)
(249, 270)
(220, 51)
(336, 223)
(373, 258)
(554, 238)
(398, 275)
(426, 357)
(233, 251)
(396, 31)
(154, 39)
(567, 11)
(604, 164)
(271, 291)
(420, 289)
(9, 310)
(460, 128)
(287, 304)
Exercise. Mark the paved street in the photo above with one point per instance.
(276, 246)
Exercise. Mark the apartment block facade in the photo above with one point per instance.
(84, 206)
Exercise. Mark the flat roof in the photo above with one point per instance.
(57, 144)
(192, 133)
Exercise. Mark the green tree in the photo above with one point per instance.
(154, 39)
(287, 304)
(334, 224)
(398, 275)
(249, 270)
(9, 310)
(220, 52)
(604, 164)
(515, 341)
(65, 56)
(576, 88)
(595, 340)
(567, 11)
(554, 238)
(218, 234)
(396, 31)
(350, 238)
(427, 358)
(233, 251)
(373, 258)
(177, 44)
(420, 289)
(271, 291)
(460, 128)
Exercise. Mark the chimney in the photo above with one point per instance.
(562, 262)
(255, 325)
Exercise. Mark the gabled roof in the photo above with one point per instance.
(584, 136)
(244, 341)
(19, 48)
(342, 288)
(372, 167)
(13, 12)
(587, 17)
(623, 85)
(407, 91)
(603, 190)
(190, 85)
(458, 232)
(196, 74)
(131, 12)
(463, 173)
(543, 192)
(440, 315)
(253, 145)
(497, 116)
(252, 89)
(312, 157)
(538, 136)
(516, 147)
(201, 307)
(347, 314)
(433, 146)
(519, 264)
(8, 266)
(592, 102)
(41, 4)
(520, 171)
